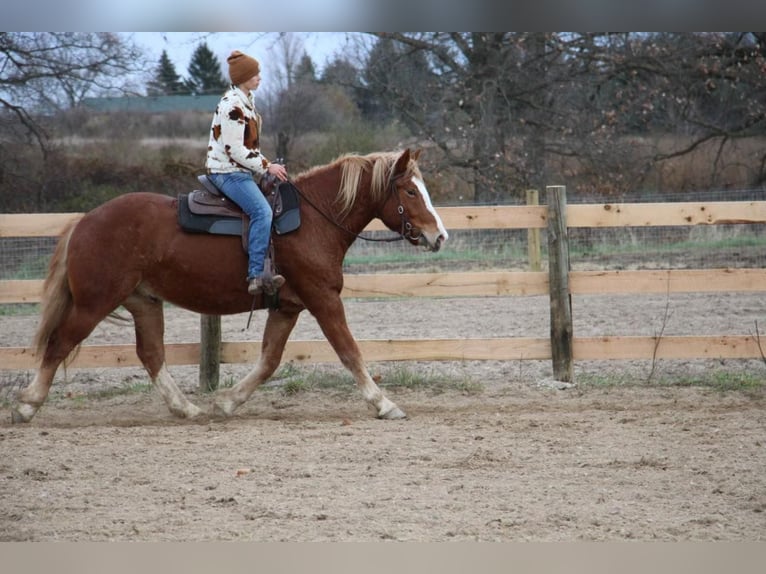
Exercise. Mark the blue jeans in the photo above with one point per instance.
(240, 187)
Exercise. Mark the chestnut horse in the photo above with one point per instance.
(130, 251)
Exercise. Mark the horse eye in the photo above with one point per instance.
(410, 193)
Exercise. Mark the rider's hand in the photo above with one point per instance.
(278, 170)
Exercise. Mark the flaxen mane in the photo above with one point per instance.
(354, 165)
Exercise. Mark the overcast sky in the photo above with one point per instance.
(321, 46)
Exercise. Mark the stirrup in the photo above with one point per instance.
(272, 283)
(266, 283)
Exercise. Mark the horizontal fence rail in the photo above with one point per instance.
(494, 217)
(491, 283)
(472, 284)
(499, 349)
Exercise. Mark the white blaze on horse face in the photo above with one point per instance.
(420, 184)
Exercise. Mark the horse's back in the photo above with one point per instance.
(134, 204)
(128, 213)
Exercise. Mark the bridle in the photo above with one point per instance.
(406, 228)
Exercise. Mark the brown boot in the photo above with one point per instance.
(268, 285)
(272, 284)
(255, 286)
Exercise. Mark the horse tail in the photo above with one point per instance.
(57, 297)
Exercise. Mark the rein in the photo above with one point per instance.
(405, 233)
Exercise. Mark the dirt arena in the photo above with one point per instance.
(491, 451)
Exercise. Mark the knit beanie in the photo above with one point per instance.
(242, 67)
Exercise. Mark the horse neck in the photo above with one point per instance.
(363, 211)
(359, 216)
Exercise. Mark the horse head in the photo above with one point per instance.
(408, 209)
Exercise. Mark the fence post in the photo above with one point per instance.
(533, 235)
(209, 352)
(558, 270)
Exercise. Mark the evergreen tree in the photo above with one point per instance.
(340, 74)
(305, 72)
(166, 80)
(205, 75)
(377, 75)
(397, 80)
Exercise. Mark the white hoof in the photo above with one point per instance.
(187, 411)
(223, 407)
(22, 413)
(393, 414)
(193, 411)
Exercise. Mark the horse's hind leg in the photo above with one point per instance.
(75, 327)
(150, 327)
(279, 325)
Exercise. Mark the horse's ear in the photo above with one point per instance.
(416, 154)
(401, 164)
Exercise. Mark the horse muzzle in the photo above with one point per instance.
(432, 241)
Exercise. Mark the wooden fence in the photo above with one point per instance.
(561, 283)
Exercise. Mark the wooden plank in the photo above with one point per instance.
(494, 217)
(502, 349)
(35, 224)
(499, 349)
(94, 356)
(676, 347)
(471, 217)
(504, 283)
(21, 291)
(667, 281)
(478, 284)
(98, 356)
(653, 214)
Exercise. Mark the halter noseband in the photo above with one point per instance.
(406, 230)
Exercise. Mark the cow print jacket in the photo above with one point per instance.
(235, 136)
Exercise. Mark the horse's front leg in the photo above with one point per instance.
(279, 325)
(332, 320)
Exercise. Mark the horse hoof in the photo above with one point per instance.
(189, 411)
(19, 417)
(193, 412)
(220, 411)
(393, 414)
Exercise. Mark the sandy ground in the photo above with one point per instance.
(489, 452)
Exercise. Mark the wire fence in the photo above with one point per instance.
(609, 248)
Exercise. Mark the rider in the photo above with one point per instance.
(234, 158)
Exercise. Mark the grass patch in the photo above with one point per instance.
(17, 309)
(722, 381)
(403, 377)
(292, 379)
(134, 388)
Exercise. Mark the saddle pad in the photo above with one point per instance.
(206, 223)
(203, 212)
(289, 217)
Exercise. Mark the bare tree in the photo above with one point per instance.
(41, 73)
(51, 71)
(517, 109)
(299, 103)
(288, 51)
